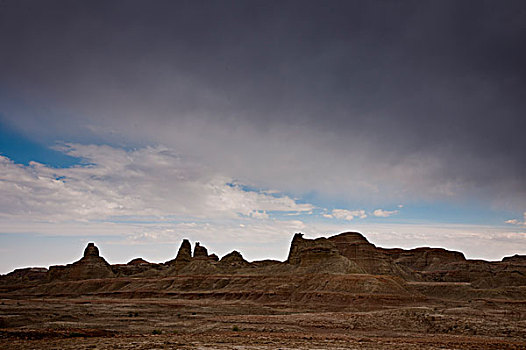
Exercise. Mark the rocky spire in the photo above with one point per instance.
(200, 252)
(185, 252)
(91, 265)
(295, 247)
(91, 250)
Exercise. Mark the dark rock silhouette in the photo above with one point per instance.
(213, 257)
(91, 250)
(92, 265)
(515, 259)
(184, 254)
(200, 252)
(359, 263)
(138, 261)
(233, 259)
(28, 274)
(343, 282)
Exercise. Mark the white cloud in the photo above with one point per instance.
(255, 239)
(384, 213)
(256, 214)
(152, 181)
(516, 221)
(154, 195)
(346, 214)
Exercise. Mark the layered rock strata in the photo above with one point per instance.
(92, 265)
(348, 253)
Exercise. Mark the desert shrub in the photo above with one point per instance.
(157, 332)
(235, 328)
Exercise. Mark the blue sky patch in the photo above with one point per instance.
(22, 150)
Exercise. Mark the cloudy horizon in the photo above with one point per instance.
(238, 123)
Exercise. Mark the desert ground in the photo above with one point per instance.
(335, 293)
(166, 323)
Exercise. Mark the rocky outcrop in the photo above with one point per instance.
(92, 265)
(363, 256)
(199, 263)
(319, 256)
(135, 267)
(213, 257)
(28, 274)
(200, 252)
(343, 254)
(233, 260)
(138, 261)
(355, 247)
(184, 254)
(425, 259)
(515, 259)
(91, 251)
(300, 246)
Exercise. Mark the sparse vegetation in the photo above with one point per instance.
(235, 328)
(157, 332)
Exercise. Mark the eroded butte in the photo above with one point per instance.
(340, 292)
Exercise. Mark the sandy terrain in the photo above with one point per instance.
(340, 292)
(101, 323)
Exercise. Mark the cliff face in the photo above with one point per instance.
(420, 264)
(357, 248)
(200, 252)
(184, 254)
(344, 254)
(25, 275)
(425, 259)
(363, 255)
(319, 256)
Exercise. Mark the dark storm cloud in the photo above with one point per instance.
(381, 86)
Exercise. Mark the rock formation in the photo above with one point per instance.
(92, 265)
(234, 260)
(28, 274)
(200, 252)
(91, 251)
(364, 256)
(319, 256)
(515, 259)
(213, 257)
(347, 254)
(138, 261)
(184, 254)
(135, 267)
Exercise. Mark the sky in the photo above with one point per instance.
(135, 124)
